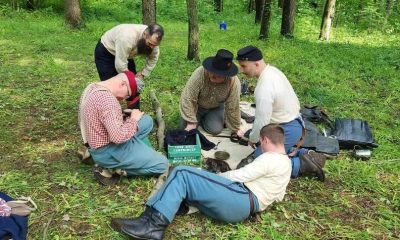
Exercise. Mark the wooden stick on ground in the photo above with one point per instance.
(159, 183)
(159, 118)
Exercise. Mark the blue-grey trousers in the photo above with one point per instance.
(211, 120)
(215, 196)
(133, 156)
(293, 131)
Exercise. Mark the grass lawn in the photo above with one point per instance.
(44, 67)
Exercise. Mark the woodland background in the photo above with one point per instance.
(46, 60)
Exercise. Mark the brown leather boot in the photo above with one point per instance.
(309, 166)
(319, 158)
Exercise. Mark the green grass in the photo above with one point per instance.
(44, 67)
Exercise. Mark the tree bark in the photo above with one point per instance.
(73, 13)
(15, 4)
(251, 6)
(149, 11)
(259, 10)
(288, 15)
(327, 17)
(193, 38)
(388, 8)
(266, 20)
(280, 3)
(218, 5)
(30, 5)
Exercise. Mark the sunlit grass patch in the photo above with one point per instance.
(45, 66)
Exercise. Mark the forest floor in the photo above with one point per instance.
(44, 67)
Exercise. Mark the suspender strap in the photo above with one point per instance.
(251, 200)
(301, 140)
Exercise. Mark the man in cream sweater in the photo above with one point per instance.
(118, 46)
(276, 102)
(230, 197)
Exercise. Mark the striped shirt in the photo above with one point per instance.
(103, 119)
(201, 92)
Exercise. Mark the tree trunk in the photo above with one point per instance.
(288, 14)
(326, 24)
(30, 5)
(193, 38)
(73, 13)
(388, 8)
(251, 6)
(259, 10)
(266, 20)
(149, 11)
(15, 4)
(218, 5)
(280, 3)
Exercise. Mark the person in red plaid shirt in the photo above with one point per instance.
(116, 143)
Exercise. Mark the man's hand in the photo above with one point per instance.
(190, 126)
(139, 75)
(251, 144)
(240, 133)
(140, 85)
(136, 114)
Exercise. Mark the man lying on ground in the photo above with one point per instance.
(230, 197)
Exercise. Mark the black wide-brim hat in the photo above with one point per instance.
(221, 64)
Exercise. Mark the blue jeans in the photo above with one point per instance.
(215, 196)
(134, 156)
(293, 131)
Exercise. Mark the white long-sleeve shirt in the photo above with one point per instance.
(276, 101)
(121, 41)
(267, 177)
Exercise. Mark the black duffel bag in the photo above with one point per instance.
(353, 132)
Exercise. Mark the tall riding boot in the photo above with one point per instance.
(309, 166)
(118, 223)
(150, 225)
(319, 158)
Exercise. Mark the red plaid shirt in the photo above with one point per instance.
(103, 119)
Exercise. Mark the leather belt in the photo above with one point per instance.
(251, 200)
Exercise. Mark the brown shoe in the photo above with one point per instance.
(85, 156)
(104, 177)
(318, 158)
(309, 167)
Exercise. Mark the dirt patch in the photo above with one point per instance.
(54, 156)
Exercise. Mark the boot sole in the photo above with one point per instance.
(119, 228)
(136, 237)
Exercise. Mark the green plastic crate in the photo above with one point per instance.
(185, 154)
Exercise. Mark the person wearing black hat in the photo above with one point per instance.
(276, 102)
(212, 96)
